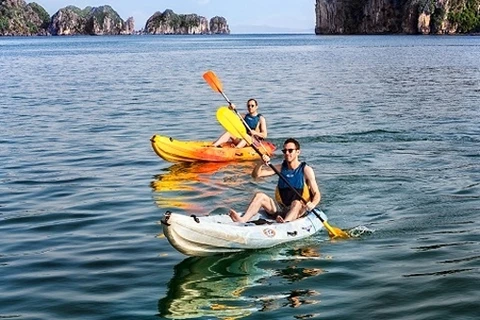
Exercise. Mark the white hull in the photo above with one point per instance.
(209, 235)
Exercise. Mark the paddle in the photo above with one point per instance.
(229, 121)
(234, 126)
(215, 83)
(212, 79)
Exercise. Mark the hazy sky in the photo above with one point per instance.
(243, 16)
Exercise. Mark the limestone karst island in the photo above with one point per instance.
(17, 18)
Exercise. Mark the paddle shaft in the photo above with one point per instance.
(225, 97)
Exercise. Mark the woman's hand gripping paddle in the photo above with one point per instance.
(212, 79)
(235, 127)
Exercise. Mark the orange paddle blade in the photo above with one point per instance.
(213, 80)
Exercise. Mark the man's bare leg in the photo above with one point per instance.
(225, 137)
(241, 144)
(296, 209)
(234, 215)
(260, 201)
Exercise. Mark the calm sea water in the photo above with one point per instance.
(389, 124)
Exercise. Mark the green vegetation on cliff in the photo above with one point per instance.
(101, 12)
(3, 23)
(42, 14)
(175, 21)
(19, 18)
(80, 12)
(467, 18)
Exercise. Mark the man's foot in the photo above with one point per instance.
(234, 216)
(279, 219)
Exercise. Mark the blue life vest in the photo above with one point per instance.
(296, 177)
(252, 121)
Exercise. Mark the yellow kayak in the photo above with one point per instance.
(173, 150)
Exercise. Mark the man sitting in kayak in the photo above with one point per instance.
(288, 206)
(256, 123)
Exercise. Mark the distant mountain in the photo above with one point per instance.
(17, 18)
(168, 22)
(103, 20)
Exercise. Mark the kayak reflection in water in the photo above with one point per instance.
(287, 205)
(180, 184)
(235, 286)
(214, 287)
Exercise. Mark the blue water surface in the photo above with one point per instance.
(389, 124)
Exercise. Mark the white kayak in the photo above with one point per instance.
(210, 235)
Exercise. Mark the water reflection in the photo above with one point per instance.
(237, 285)
(293, 272)
(295, 299)
(213, 287)
(186, 185)
(179, 176)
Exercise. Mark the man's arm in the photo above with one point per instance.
(262, 170)
(261, 131)
(312, 185)
(262, 128)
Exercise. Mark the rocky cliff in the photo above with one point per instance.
(168, 22)
(397, 16)
(91, 20)
(218, 25)
(19, 18)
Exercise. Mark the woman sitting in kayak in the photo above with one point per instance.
(255, 121)
(287, 205)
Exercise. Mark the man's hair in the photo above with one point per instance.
(294, 141)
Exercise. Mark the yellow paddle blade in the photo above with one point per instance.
(213, 81)
(335, 232)
(232, 123)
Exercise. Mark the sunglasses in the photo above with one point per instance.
(251, 105)
(288, 150)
